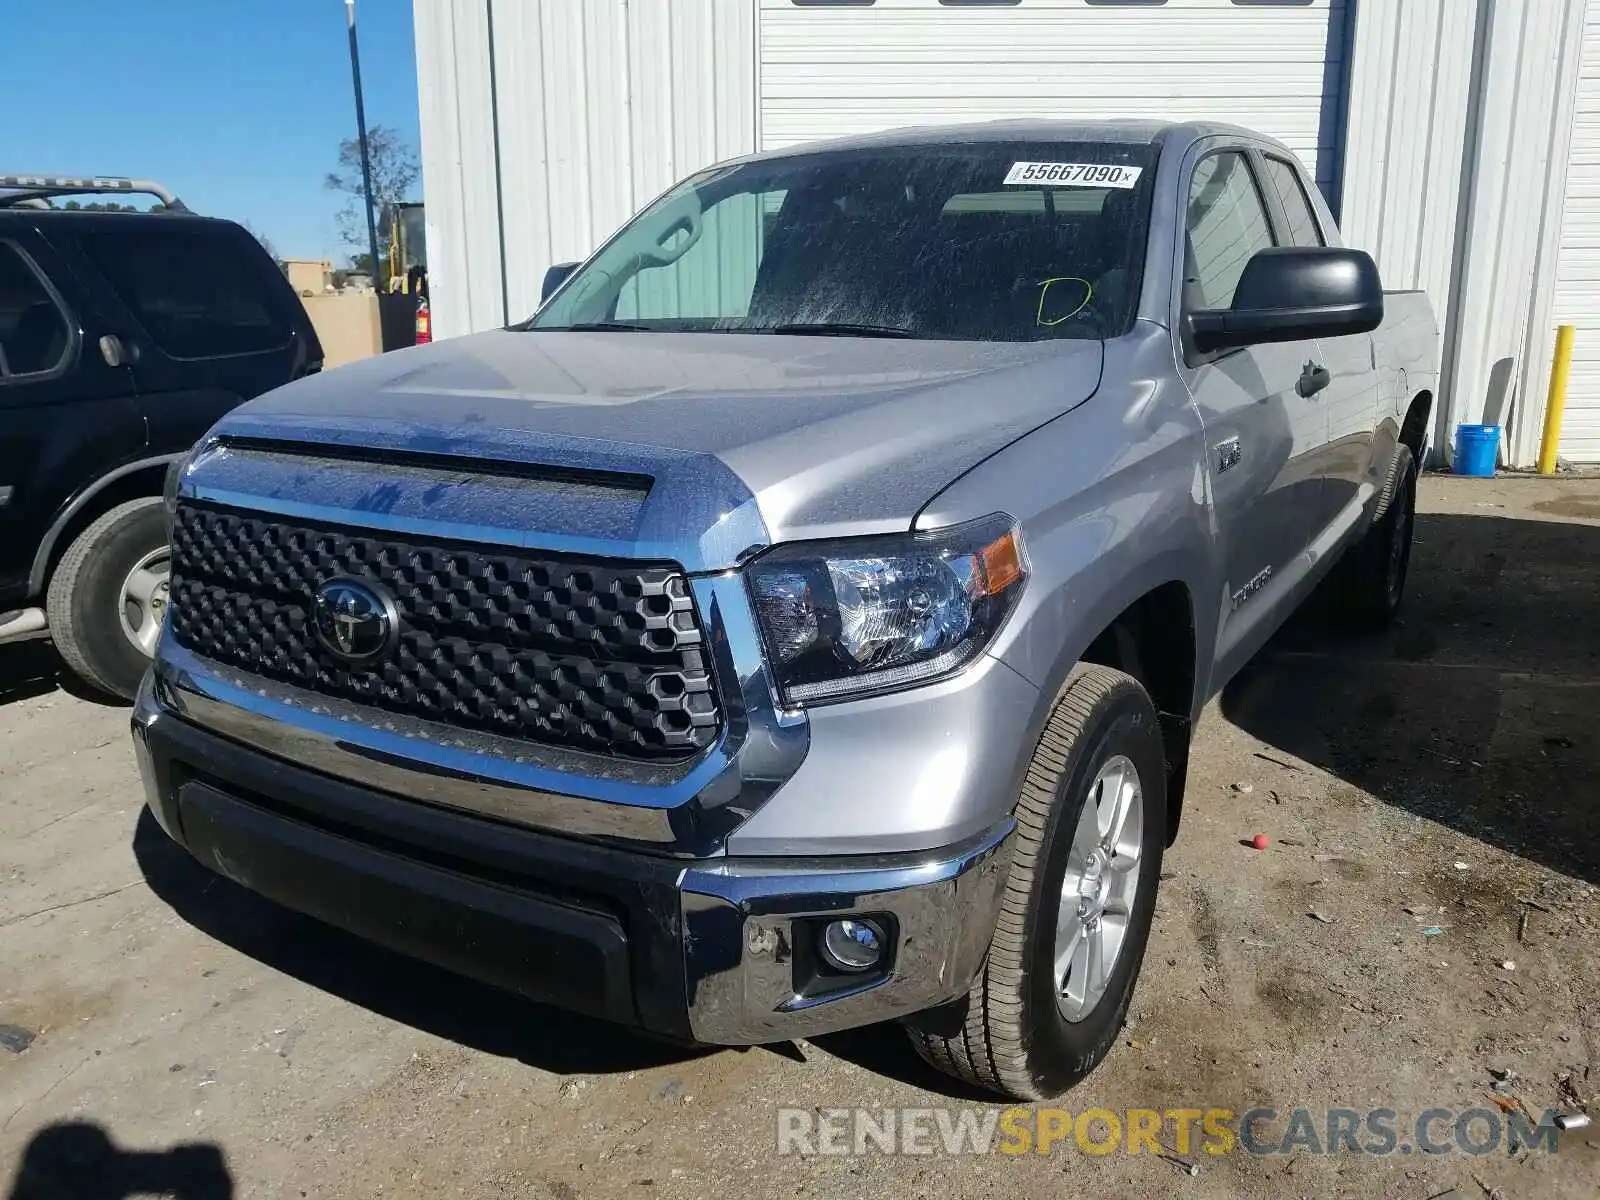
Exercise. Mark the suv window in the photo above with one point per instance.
(1226, 225)
(193, 289)
(34, 335)
(1303, 229)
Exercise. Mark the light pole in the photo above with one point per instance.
(361, 134)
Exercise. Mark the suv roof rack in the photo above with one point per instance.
(35, 191)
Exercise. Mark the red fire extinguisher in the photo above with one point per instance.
(424, 324)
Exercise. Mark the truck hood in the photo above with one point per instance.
(802, 436)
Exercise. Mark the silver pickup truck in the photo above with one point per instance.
(800, 622)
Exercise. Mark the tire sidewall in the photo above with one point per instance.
(1401, 523)
(95, 598)
(1064, 1052)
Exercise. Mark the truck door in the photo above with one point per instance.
(67, 417)
(1263, 434)
(1350, 396)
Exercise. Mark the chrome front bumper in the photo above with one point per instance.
(711, 950)
(942, 908)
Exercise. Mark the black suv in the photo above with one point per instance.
(123, 338)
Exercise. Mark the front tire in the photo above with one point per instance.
(1078, 899)
(108, 594)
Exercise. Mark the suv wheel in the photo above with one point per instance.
(1078, 899)
(108, 595)
(1373, 572)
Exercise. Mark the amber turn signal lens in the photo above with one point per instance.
(1002, 563)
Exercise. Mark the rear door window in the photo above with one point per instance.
(1303, 230)
(35, 336)
(195, 290)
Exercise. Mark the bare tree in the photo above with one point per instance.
(266, 244)
(395, 172)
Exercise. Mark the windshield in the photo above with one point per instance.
(972, 242)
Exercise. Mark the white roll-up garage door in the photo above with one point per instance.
(1577, 298)
(829, 69)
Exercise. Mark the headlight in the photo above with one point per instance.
(872, 614)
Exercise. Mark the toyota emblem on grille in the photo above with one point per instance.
(355, 621)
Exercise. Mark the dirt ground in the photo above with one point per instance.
(189, 1038)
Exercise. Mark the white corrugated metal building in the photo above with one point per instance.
(1457, 140)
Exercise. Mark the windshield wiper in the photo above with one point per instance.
(814, 328)
(839, 329)
(595, 327)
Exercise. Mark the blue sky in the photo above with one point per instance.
(237, 105)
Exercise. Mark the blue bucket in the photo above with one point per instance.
(1477, 448)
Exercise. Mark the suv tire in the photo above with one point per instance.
(1019, 1033)
(1372, 576)
(88, 605)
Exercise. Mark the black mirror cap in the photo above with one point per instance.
(1289, 293)
(554, 277)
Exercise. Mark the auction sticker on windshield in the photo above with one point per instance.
(1073, 174)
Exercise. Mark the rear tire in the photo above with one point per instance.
(1021, 1030)
(101, 599)
(1372, 576)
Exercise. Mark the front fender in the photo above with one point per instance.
(1113, 500)
(47, 544)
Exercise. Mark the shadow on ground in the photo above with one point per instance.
(400, 988)
(885, 1050)
(77, 1160)
(1478, 709)
(33, 668)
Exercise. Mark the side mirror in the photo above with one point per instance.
(554, 277)
(1289, 293)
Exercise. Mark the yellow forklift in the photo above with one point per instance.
(407, 268)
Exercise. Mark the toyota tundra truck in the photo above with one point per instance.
(801, 620)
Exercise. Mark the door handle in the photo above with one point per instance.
(116, 352)
(1313, 378)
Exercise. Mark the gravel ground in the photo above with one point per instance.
(165, 1032)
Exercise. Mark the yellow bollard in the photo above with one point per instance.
(1555, 405)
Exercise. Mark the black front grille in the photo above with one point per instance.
(595, 655)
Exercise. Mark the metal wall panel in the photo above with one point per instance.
(1577, 287)
(1461, 115)
(827, 71)
(605, 104)
(598, 107)
(458, 164)
(1496, 346)
(1410, 87)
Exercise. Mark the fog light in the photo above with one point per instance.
(855, 944)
